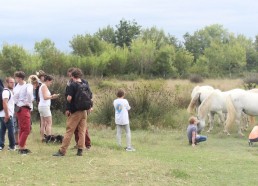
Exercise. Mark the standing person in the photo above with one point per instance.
(44, 107)
(76, 115)
(193, 138)
(122, 106)
(41, 75)
(6, 115)
(23, 99)
(76, 136)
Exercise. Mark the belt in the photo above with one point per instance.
(27, 107)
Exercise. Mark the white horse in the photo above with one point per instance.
(199, 93)
(238, 102)
(216, 103)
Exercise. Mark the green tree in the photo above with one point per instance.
(53, 61)
(12, 58)
(87, 45)
(225, 59)
(164, 62)
(142, 56)
(126, 32)
(183, 61)
(202, 39)
(158, 36)
(107, 34)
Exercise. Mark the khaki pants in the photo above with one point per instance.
(77, 119)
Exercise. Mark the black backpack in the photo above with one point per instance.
(1, 97)
(82, 99)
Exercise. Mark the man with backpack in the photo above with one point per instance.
(76, 136)
(6, 114)
(78, 99)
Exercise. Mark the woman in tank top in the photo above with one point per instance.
(44, 107)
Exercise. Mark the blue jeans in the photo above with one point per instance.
(10, 127)
(200, 138)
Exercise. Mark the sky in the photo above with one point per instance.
(24, 22)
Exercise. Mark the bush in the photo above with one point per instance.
(251, 81)
(195, 78)
(149, 104)
(58, 87)
(103, 108)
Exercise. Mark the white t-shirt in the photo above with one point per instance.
(6, 94)
(121, 111)
(43, 102)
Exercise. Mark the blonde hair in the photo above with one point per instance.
(33, 79)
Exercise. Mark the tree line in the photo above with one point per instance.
(130, 50)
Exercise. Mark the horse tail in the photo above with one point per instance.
(231, 113)
(193, 103)
(252, 120)
(204, 108)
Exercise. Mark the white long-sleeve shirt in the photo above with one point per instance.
(23, 95)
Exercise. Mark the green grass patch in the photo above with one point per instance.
(162, 157)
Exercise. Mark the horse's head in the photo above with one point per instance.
(200, 126)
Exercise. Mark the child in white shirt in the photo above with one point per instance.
(122, 106)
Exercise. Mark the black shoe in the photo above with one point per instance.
(24, 151)
(79, 152)
(58, 154)
(27, 151)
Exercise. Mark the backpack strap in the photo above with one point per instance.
(9, 93)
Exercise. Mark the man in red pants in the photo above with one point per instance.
(23, 98)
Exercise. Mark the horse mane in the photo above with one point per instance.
(193, 103)
(204, 108)
(194, 91)
(231, 113)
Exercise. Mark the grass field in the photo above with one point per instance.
(162, 157)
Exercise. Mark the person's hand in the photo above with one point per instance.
(193, 145)
(54, 96)
(6, 119)
(67, 113)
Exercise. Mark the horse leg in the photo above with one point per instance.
(211, 121)
(245, 122)
(221, 118)
(239, 124)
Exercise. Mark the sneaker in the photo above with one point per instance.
(129, 149)
(1, 148)
(79, 152)
(11, 149)
(58, 153)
